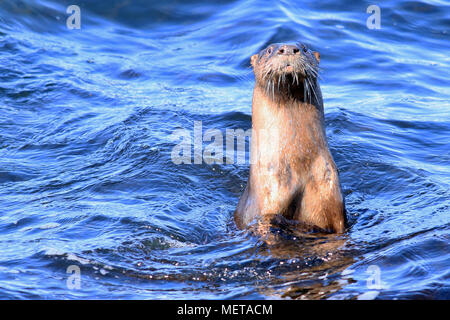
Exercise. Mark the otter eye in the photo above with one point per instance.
(305, 49)
(269, 50)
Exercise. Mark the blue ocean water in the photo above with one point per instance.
(87, 179)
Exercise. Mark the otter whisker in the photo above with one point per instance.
(304, 89)
(314, 92)
(279, 80)
(273, 91)
(306, 84)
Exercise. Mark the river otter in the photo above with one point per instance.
(292, 172)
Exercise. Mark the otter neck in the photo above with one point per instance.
(286, 131)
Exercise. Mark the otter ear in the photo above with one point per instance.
(253, 59)
(317, 55)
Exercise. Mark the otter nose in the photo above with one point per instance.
(288, 49)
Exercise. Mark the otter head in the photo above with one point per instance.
(287, 71)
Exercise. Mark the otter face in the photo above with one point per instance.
(286, 68)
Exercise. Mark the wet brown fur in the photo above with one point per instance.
(292, 172)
